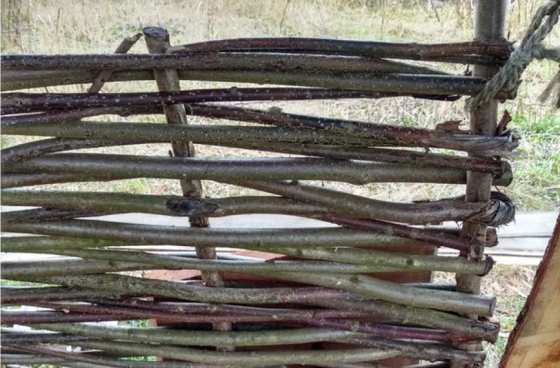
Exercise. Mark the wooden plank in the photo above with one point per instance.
(535, 340)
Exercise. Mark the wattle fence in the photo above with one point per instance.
(328, 296)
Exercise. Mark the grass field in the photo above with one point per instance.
(88, 26)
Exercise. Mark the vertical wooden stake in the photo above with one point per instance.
(157, 40)
(490, 19)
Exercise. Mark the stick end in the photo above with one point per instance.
(155, 32)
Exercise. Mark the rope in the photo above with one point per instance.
(509, 76)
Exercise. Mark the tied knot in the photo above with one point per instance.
(509, 76)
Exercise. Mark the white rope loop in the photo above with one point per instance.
(509, 76)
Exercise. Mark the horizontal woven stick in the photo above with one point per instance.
(114, 286)
(106, 202)
(378, 262)
(74, 312)
(139, 260)
(424, 159)
(423, 351)
(453, 324)
(203, 338)
(244, 359)
(435, 237)
(325, 197)
(53, 145)
(21, 296)
(53, 267)
(213, 61)
(308, 129)
(28, 102)
(34, 244)
(206, 309)
(31, 318)
(177, 290)
(435, 52)
(228, 170)
(101, 361)
(395, 293)
(70, 114)
(15, 244)
(426, 84)
(319, 317)
(356, 206)
(77, 360)
(234, 238)
(362, 256)
(15, 180)
(363, 285)
(119, 285)
(478, 164)
(27, 360)
(18, 337)
(264, 238)
(427, 351)
(206, 134)
(459, 140)
(309, 237)
(47, 214)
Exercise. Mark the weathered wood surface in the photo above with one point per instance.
(535, 341)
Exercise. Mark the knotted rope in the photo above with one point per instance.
(509, 76)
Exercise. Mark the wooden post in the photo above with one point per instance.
(157, 40)
(490, 16)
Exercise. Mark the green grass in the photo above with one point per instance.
(536, 163)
